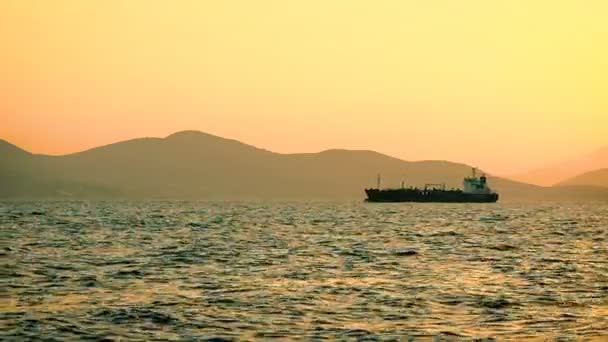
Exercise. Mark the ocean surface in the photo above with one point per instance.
(257, 271)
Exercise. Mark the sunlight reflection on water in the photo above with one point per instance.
(179, 270)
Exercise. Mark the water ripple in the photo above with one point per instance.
(244, 271)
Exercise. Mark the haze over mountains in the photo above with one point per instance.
(556, 174)
(595, 178)
(196, 165)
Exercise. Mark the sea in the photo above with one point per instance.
(242, 271)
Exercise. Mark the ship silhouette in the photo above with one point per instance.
(475, 190)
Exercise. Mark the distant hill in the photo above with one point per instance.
(555, 174)
(595, 178)
(196, 165)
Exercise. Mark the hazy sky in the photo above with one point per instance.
(505, 85)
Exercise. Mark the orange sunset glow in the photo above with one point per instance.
(259, 170)
(504, 85)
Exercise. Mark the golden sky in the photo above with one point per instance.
(504, 85)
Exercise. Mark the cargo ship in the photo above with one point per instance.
(475, 190)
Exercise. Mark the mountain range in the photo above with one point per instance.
(196, 165)
(595, 178)
(559, 174)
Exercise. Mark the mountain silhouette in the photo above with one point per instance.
(595, 178)
(555, 174)
(196, 165)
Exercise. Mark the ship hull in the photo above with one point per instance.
(430, 196)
